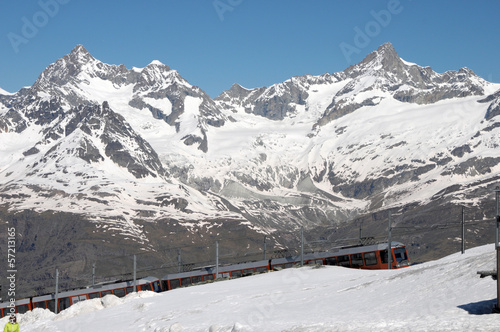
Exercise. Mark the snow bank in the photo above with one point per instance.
(443, 295)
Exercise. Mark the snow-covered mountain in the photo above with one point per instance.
(382, 132)
(123, 147)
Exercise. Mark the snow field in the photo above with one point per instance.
(442, 295)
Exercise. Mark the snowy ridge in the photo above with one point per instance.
(443, 295)
(5, 93)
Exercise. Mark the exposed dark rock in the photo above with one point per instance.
(474, 166)
(461, 150)
(441, 161)
(494, 107)
(493, 126)
(12, 121)
(369, 187)
(88, 151)
(31, 151)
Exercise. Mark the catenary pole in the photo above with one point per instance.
(463, 230)
(265, 248)
(93, 275)
(497, 247)
(302, 246)
(389, 244)
(360, 232)
(497, 191)
(56, 302)
(216, 259)
(179, 260)
(135, 273)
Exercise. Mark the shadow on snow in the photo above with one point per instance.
(479, 308)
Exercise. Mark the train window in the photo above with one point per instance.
(261, 269)
(383, 256)
(120, 292)
(106, 292)
(175, 283)
(311, 262)
(248, 272)
(288, 265)
(343, 260)
(64, 303)
(237, 274)
(331, 261)
(209, 277)
(400, 254)
(76, 299)
(40, 304)
(146, 287)
(357, 260)
(51, 305)
(186, 281)
(94, 295)
(370, 258)
(21, 309)
(197, 279)
(129, 289)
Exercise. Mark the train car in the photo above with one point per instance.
(20, 307)
(370, 257)
(68, 298)
(176, 280)
(243, 269)
(182, 279)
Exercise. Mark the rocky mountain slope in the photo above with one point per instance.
(138, 154)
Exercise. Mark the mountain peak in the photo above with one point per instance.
(385, 57)
(156, 63)
(79, 49)
(236, 87)
(79, 54)
(386, 48)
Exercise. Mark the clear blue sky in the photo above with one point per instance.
(215, 43)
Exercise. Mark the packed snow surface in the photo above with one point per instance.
(442, 295)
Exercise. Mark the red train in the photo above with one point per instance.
(370, 257)
(361, 257)
(68, 298)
